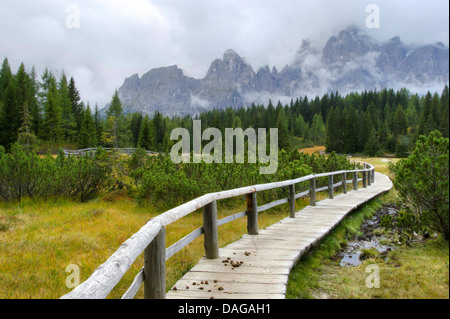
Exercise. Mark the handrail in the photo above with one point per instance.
(151, 237)
(93, 150)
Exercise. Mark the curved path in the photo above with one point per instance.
(258, 266)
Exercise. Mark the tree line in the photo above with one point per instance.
(47, 113)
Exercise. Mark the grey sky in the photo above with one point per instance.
(118, 38)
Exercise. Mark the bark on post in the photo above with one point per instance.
(344, 182)
(330, 187)
(252, 214)
(292, 200)
(355, 181)
(155, 267)
(211, 238)
(312, 192)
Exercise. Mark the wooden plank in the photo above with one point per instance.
(198, 276)
(272, 204)
(179, 245)
(135, 285)
(230, 287)
(221, 295)
(231, 218)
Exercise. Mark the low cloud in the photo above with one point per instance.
(123, 37)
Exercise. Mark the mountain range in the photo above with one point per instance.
(350, 61)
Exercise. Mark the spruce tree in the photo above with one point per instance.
(399, 125)
(52, 126)
(283, 133)
(26, 137)
(98, 124)
(87, 137)
(145, 135)
(67, 118)
(11, 116)
(77, 107)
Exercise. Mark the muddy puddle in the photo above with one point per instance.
(357, 250)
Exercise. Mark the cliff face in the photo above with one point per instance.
(350, 61)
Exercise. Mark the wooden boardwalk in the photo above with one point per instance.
(258, 266)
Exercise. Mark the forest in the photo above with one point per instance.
(47, 112)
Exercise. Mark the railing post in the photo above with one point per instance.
(292, 200)
(330, 187)
(344, 182)
(364, 179)
(369, 177)
(312, 191)
(252, 214)
(211, 238)
(355, 181)
(155, 267)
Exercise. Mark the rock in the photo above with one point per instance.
(350, 61)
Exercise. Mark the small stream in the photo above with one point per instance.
(352, 254)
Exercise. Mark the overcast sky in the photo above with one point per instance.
(101, 42)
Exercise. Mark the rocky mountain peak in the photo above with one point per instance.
(350, 61)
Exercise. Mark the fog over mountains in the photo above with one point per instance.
(350, 61)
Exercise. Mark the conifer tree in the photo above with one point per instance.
(26, 137)
(52, 126)
(87, 137)
(283, 133)
(145, 135)
(98, 124)
(77, 107)
(11, 115)
(67, 118)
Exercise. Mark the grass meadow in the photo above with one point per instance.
(39, 240)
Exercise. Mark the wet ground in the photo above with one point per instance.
(357, 249)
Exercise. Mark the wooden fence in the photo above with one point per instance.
(128, 151)
(151, 238)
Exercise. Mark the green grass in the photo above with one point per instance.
(39, 240)
(419, 271)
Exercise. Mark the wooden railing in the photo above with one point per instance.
(128, 151)
(151, 238)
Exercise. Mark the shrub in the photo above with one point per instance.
(422, 181)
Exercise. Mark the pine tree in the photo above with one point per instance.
(98, 124)
(114, 115)
(52, 126)
(351, 131)
(26, 137)
(372, 147)
(5, 76)
(425, 115)
(77, 107)
(399, 125)
(115, 108)
(318, 130)
(11, 116)
(33, 105)
(87, 137)
(67, 118)
(333, 140)
(283, 133)
(145, 135)
(135, 126)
